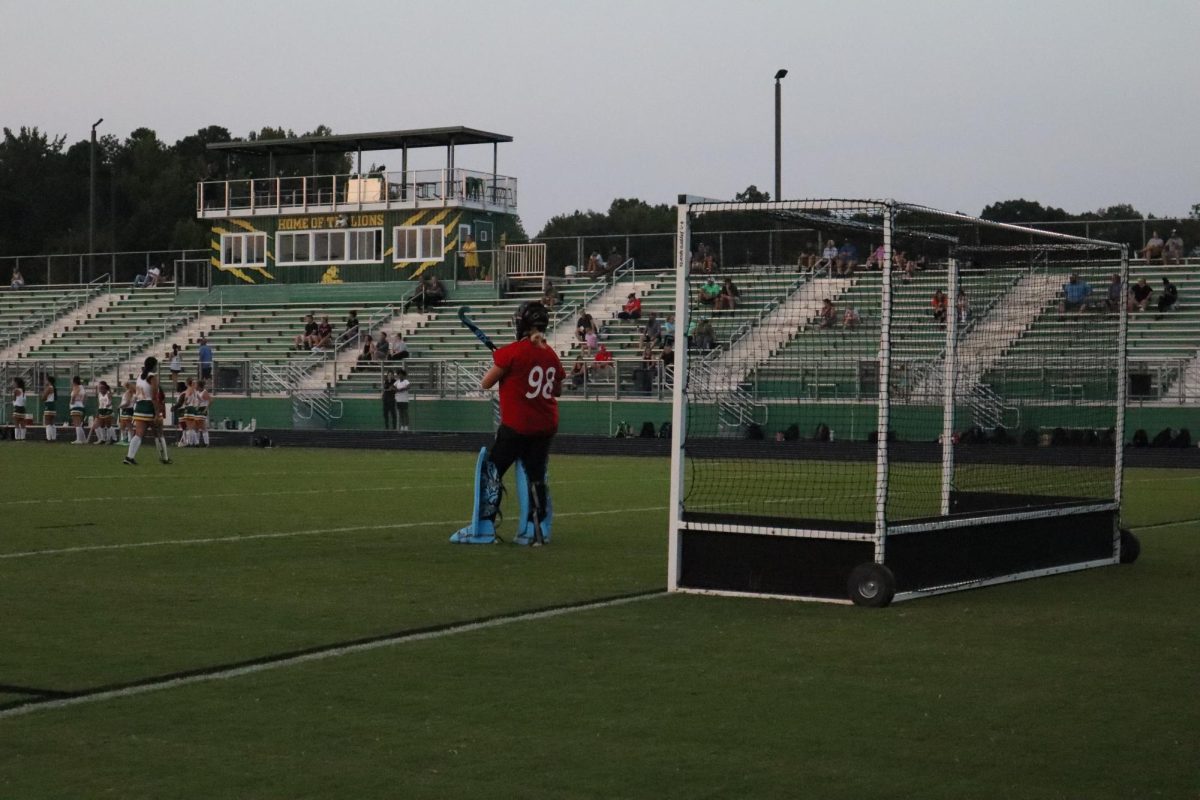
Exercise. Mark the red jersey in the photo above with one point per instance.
(527, 401)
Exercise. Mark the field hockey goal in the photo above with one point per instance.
(911, 402)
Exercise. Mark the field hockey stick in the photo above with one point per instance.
(473, 328)
(488, 343)
(160, 443)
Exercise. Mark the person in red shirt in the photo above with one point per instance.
(530, 377)
(632, 309)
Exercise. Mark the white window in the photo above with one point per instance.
(365, 245)
(419, 243)
(243, 249)
(355, 246)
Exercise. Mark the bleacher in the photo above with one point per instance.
(836, 362)
(131, 323)
(442, 339)
(24, 311)
(1062, 356)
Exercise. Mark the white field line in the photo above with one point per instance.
(237, 672)
(89, 548)
(281, 492)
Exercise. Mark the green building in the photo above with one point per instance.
(362, 226)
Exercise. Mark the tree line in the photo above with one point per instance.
(145, 199)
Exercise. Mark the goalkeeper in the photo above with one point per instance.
(530, 376)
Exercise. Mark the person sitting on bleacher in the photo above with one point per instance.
(18, 280)
(323, 340)
(305, 340)
(352, 324)
(149, 280)
(827, 316)
(1139, 295)
(431, 293)
(398, 349)
(729, 297)
(382, 348)
(602, 361)
(1153, 248)
(710, 290)
(1173, 249)
(704, 337)
(1170, 294)
(584, 326)
(1075, 295)
(632, 308)
(851, 319)
(1112, 303)
(653, 330)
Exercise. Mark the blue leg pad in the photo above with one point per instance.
(525, 524)
(482, 527)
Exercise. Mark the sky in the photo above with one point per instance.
(949, 103)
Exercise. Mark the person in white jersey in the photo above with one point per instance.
(20, 414)
(78, 402)
(147, 410)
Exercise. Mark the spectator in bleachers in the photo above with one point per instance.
(204, 355)
(653, 330)
(398, 348)
(828, 256)
(1173, 249)
(939, 304)
(704, 338)
(551, 297)
(352, 324)
(1139, 295)
(827, 316)
(730, 296)
(578, 372)
(1153, 248)
(602, 361)
(847, 259)
(668, 360)
(304, 341)
(851, 319)
(325, 330)
(389, 401)
(1168, 296)
(876, 259)
(430, 293)
(591, 340)
(175, 363)
(632, 308)
(710, 290)
(963, 306)
(614, 260)
(368, 349)
(1112, 302)
(382, 349)
(668, 331)
(595, 263)
(18, 280)
(584, 326)
(148, 280)
(1075, 295)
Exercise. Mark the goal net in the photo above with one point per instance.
(918, 390)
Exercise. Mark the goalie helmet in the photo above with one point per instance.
(531, 317)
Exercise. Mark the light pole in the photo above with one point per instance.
(780, 75)
(92, 202)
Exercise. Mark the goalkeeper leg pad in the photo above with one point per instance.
(535, 500)
(488, 489)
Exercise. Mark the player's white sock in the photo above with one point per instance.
(206, 437)
(134, 443)
(79, 437)
(20, 434)
(51, 433)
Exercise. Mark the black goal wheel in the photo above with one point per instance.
(1131, 548)
(871, 585)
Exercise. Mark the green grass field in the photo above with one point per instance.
(1079, 686)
